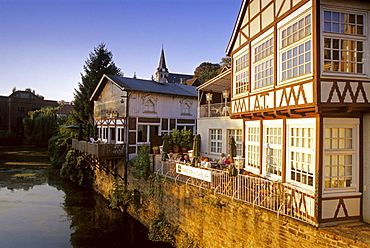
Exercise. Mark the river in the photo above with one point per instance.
(40, 209)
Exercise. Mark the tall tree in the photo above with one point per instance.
(99, 62)
(206, 71)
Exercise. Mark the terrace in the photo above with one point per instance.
(99, 150)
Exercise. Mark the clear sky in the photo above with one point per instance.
(45, 43)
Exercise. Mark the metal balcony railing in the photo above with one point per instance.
(281, 198)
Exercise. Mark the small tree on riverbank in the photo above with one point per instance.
(40, 126)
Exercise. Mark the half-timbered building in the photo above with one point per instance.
(301, 84)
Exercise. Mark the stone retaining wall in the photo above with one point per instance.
(206, 220)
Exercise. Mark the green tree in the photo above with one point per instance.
(40, 126)
(206, 71)
(99, 62)
(225, 61)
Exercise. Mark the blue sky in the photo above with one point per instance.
(45, 43)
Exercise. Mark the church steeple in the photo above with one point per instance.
(162, 71)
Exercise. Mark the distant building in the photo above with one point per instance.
(163, 75)
(65, 109)
(15, 107)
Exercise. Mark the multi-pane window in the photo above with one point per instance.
(241, 82)
(273, 149)
(296, 48)
(301, 150)
(345, 23)
(253, 147)
(264, 50)
(344, 41)
(242, 62)
(264, 73)
(339, 157)
(343, 55)
(296, 31)
(264, 64)
(242, 74)
(237, 134)
(21, 109)
(216, 140)
(296, 61)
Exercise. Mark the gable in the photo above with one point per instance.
(256, 16)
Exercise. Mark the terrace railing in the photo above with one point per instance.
(214, 110)
(281, 198)
(99, 150)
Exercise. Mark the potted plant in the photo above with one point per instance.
(155, 149)
(186, 137)
(175, 148)
(175, 140)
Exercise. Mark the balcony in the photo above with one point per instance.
(214, 110)
(99, 150)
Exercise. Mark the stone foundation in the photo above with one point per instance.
(206, 220)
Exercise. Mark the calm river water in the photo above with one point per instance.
(39, 209)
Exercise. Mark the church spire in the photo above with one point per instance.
(162, 73)
(162, 63)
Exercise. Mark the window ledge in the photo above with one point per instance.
(340, 194)
(149, 112)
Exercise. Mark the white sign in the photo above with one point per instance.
(198, 173)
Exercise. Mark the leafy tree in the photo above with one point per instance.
(99, 62)
(225, 61)
(206, 71)
(40, 126)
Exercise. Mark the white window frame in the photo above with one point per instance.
(241, 74)
(252, 146)
(238, 136)
(345, 36)
(354, 124)
(262, 60)
(306, 151)
(120, 134)
(286, 22)
(269, 148)
(215, 141)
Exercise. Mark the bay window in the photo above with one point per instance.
(340, 154)
(344, 42)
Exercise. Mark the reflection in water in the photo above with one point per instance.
(38, 209)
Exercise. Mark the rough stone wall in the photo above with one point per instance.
(205, 220)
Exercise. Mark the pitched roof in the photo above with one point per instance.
(65, 109)
(176, 77)
(144, 85)
(238, 23)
